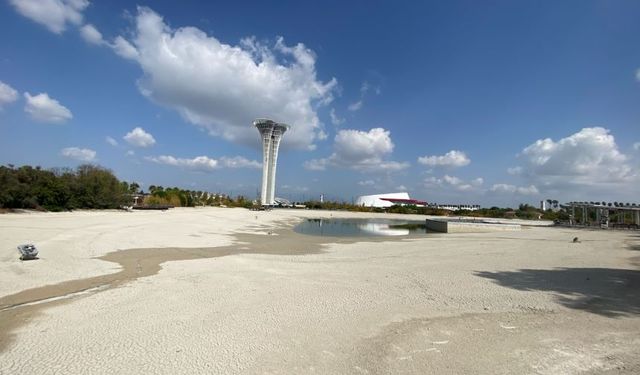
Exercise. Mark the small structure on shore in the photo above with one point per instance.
(28, 251)
(604, 215)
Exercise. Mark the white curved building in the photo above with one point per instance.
(379, 200)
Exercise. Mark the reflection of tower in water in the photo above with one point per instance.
(271, 134)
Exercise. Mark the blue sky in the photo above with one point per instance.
(492, 103)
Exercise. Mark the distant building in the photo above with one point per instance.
(282, 202)
(388, 200)
(455, 207)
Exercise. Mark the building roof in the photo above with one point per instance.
(404, 201)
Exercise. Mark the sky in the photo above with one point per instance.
(457, 102)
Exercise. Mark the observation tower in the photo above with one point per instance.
(271, 133)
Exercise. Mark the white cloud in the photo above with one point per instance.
(452, 158)
(90, 34)
(205, 163)
(124, 49)
(477, 182)
(53, 14)
(357, 145)
(355, 106)
(452, 182)
(222, 87)
(360, 150)
(335, 120)
(638, 74)
(139, 138)
(366, 183)
(587, 157)
(42, 108)
(636, 146)
(7, 94)
(81, 154)
(514, 171)
(202, 163)
(239, 162)
(512, 189)
(364, 89)
(316, 164)
(111, 141)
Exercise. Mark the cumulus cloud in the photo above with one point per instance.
(205, 163)
(53, 14)
(452, 158)
(81, 154)
(111, 141)
(360, 150)
(42, 108)
(124, 49)
(223, 87)
(512, 189)
(7, 94)
(335, 120)
(452, 182)
(202, 163)
(91, 35)
(588, 157)
(139, 138)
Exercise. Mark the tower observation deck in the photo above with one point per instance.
(271, 133)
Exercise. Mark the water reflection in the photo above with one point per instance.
(382, 230)
(359, 227)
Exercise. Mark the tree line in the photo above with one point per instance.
(58, 189)
(92, 187)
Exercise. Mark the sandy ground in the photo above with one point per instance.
(211, 291)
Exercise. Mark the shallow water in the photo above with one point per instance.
(360, 227)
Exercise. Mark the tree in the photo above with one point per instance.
(134, 188)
